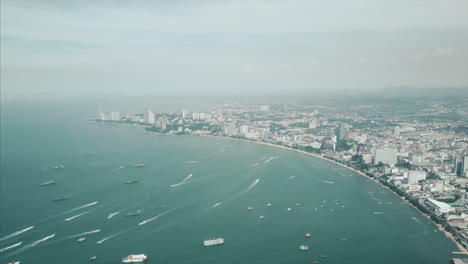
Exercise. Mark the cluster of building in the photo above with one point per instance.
(416, 153)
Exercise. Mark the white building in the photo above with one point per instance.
(386, 155)
(148, 116)
(439, 207)
(264, 108)
(113, 116)
(202, 116)
(244, 129)
(184, 114)
(102, 115)
(415, 176)
(196, 116)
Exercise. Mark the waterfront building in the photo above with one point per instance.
(415, 176)
(148, 116)
(102, 115)
(244, 129)
(439, 207)
(386, 156)
(113, 116)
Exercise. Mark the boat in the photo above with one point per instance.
(289, 209)
(307, 235)
(59, 167)
(15, 262)
(112, 215)
(303, 247)
(139, 165)
(93, 258)
(314, 261)
(47, 183)
(323, 256)
(213, 241)
(261, 217)
(137, 212)
(61, 198)
(269, 204)
(250, 208)
(130, 182)
(315, 209)
(81, 239)
(134, 258)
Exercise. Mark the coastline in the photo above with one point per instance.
(447, 234)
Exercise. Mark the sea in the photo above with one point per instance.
(191, 188)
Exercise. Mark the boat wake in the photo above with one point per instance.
(10, 247)
(375, 199)
(254, 165)
(292, 177)
(269, 159)
(217, 204)
(192, 161)
(80, 207)
(78, 215)
(85, 233)
(35, 243)
(16, 233)
(112, 215)
(182, 182)
(320, 180)
(154, 218)
(377, 213)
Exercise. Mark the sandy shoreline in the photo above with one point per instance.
(449, 235)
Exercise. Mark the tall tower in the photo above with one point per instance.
(148, 117)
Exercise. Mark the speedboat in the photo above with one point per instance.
(81, 239)
(307, 235)
(269, 204)
(93, 258)
(289, 209)
(323, 256)
(303, 247)
(261, 217)
(250, 208)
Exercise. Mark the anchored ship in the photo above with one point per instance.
(134, 258)
(213, 241)
(137, 212)
(61, 198)
(47, 183)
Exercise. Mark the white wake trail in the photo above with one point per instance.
(217, 204)
(10, 247)
(156, 217)
(16, 233)
(35, 243)
(292, 177)
(78, 215)
(182, 182)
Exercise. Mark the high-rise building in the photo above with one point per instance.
(113, 116)
(184, 114)
(465, 166)
(415, 176)
(102, 115)
(196, 116)
(244, 129)
(264, 108)
(202, 116)
(459, 165)
(148, 116)
(340, 132)
(386, 156)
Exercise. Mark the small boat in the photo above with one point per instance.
(81, 239)
(303, 247)
(139, 165)
(297, 204)
(47, 183)
(315, 209)
(323, 256)
(289, 209)
(331, 210)
(250, 208)
(59, 167)
(130, 182)
(15, 262)
(261, 217)
(269, 204)
(61, 198)
(93, 258)
(307, 235)
(137, 212)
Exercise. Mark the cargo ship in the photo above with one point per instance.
(213, 241)
(134, 258)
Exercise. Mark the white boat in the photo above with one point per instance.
(289, 209)
(307, 235)
(134, 258)
(261, 217)
(93, 258)
(15, 262)
(213, 241)
(249, 208)
(269, 204)
(81, 239)
(303, 247)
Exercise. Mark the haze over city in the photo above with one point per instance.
(225, 47)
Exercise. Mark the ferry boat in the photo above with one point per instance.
(307, 235)
(137, 212)
(61, 198)
(213, 241)
(81, 239)
(303, 247)
(134, 258)
(139, 165)
(130, 182)
(47, 183)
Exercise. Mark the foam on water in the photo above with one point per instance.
(10, 247)
(16, 233)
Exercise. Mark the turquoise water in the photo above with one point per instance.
(359, 222)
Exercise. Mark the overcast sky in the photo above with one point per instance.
(190, 47)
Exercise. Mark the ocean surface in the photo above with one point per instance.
(190, 188)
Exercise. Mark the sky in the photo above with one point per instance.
(182, 47)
